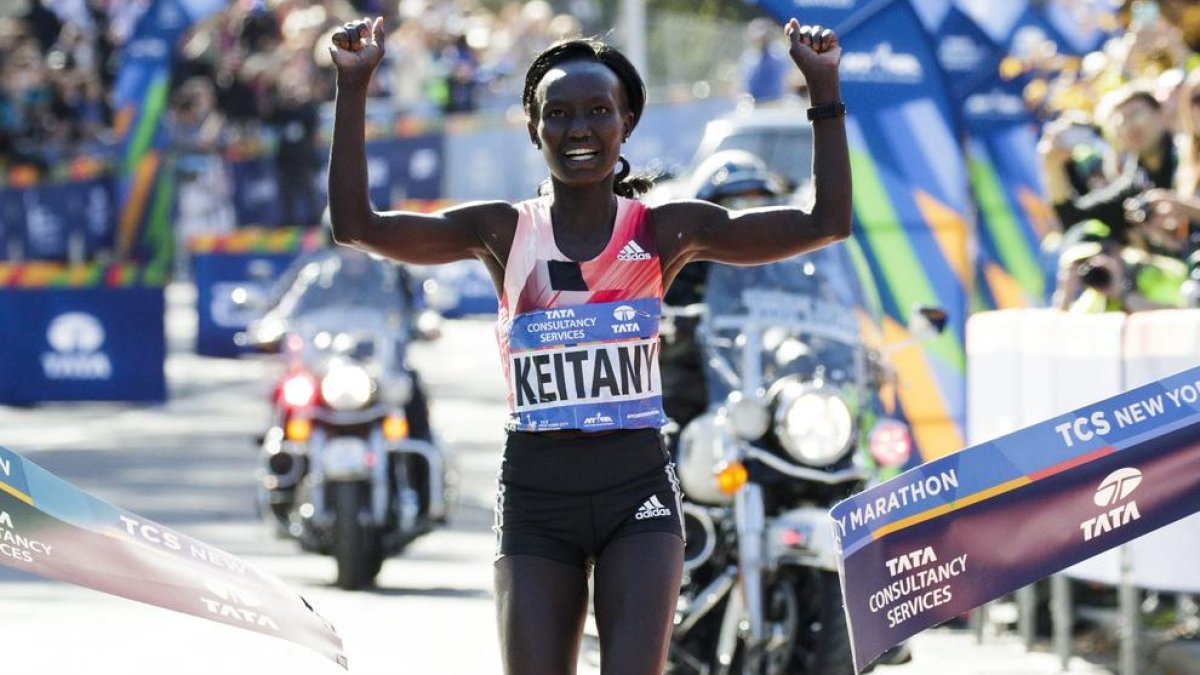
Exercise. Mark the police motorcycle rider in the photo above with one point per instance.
(350, 464)
(735, 179)
(800, 622)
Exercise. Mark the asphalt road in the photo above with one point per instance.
(189, 464)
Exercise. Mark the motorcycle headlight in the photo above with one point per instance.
(814, 424)
(347, 387)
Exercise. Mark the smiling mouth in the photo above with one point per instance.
(581, 155)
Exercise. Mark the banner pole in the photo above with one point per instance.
(1060, 613)
(1026, 614)
(1130, 613)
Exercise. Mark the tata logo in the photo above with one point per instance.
(959, 53)
(884, 64)
(235, 603)
(1029, 41)
(423, 165)
(624, 313)
(1114, 490)
(994, 103)
(76, 338)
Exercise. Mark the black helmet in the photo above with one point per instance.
(736, 173)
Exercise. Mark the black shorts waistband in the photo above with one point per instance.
(581, 464)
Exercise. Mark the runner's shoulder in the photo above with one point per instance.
(682, 215)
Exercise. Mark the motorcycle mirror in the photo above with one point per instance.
(248, 298)
(926, 322)
(258, 339)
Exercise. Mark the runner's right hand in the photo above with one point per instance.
(357, 50)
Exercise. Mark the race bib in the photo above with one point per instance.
(590, 367)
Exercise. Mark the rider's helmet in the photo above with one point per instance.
(737, 179)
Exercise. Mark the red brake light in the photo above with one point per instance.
(298, 390)
(891, 442)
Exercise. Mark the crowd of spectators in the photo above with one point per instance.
(1120, 153)
(261, 62)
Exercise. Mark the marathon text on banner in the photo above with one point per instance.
(921, 548)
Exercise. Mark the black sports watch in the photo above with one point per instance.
(820, 112)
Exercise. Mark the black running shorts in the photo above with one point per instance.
(566, 499)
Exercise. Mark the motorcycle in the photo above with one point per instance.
(350, 466)
(792, 427)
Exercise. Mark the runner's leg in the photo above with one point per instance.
(637, 585)
(541, 605)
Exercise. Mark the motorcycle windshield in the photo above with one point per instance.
(345, 289)
(809, 316)
(342, 302)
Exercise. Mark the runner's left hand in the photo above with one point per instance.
(814, 49)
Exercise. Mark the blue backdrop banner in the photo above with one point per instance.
(82, 344)
(217, 276)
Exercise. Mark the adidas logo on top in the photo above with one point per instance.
(652, 508)
(631, 251)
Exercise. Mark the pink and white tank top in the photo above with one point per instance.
(579, 340)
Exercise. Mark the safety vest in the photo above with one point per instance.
(579, 339)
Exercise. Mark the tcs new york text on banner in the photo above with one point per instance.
(952, 534)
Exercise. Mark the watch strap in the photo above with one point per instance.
(820, 112)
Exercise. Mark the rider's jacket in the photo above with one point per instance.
(579, 339)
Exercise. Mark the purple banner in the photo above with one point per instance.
(50, 528)
(957, 532)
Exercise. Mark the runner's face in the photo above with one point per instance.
(582, 119)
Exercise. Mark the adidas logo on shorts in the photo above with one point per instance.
(652, 508)
(632, 251)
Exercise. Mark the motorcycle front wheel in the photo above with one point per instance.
(355, 545)
(822, 645)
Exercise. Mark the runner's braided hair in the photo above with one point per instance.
(625, 183)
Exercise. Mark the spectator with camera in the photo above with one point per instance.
(1145, 158)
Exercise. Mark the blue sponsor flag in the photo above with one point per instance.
(911, 196)
(144, 190)
(950, 535)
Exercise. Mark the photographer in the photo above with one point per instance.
(1145, 158)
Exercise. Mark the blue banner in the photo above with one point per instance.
(832, 14)
(467, 288)
(923, 548)
(417, 164)
(12, 224)
(51, 528)
(82, 344)
(72, 220)
(217, 276)
(255, 191)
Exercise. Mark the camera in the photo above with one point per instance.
(1094, 274)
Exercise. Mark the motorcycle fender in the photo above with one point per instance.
(345, 458)
(802, 536)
